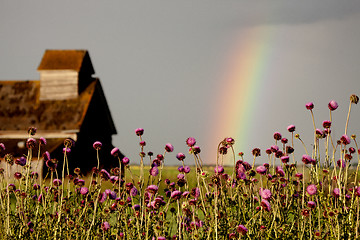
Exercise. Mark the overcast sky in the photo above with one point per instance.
(162, 64)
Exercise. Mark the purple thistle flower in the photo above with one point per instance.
(136, 207)
(105, 226)
(66, 150)
(169, 147)
(261, 170)
(57, 182)
(114, 179)
(176, 194)
(274, 148)
(311, 204)
(139, 131)
(291, 128)
(180, 156)
(129, 186)
(195, 150)
(104, 174)
(299, 175)
(336, 192)
(111, 194)
(352, 150)
(152, 189)
(32, 131)
(345, 139)
(134, 192)
(161, 238)
(154, 171)
(289, 150)
(279, 154)
(84, 190)
(229, 141)
(160, 157)
(241, 229)
(241, 175)
(190, 141)
(277, 136)
(40, 198)
(187, 169)
(102, 197)
(30, 143)
(11, 187)
(180, 176)
(79, 182)
(42, 141)
(347, 197)
(21, 161)
(125, 161)
(219, 169)
(284, 159)
(341, 163)
(326, 124)
(223, 150)
(319, 132)
(357, 191)
(51, 165)
(256, 152)
(115, 152)
(311, 189)
(306, 159)
(333, 105)
(192, 202)
(46, 156)
(156, 162)
(309, 106)
(280, 171)
(266, 205)
(185, 194)
(17, 175)
(195, 192)
(265, 193)
(97, 145)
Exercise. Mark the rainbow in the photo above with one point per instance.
(240, 91)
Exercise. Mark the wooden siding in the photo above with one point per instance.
(58, 84)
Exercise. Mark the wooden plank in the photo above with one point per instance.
(58, 84)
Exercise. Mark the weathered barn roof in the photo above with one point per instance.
(21, 108)
(66, 60)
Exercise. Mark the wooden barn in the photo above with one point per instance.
(67, 102)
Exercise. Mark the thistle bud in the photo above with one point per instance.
(354, 99)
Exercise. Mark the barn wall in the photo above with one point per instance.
(58, 84)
